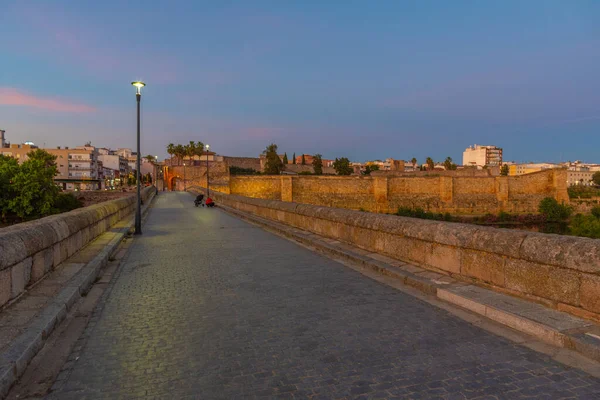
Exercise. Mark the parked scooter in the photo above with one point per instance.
(198, 200)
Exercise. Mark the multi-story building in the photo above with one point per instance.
(528, 168)
(110, 159)
(130, 156)
(481, 156)
(77, 168)
(580, 175)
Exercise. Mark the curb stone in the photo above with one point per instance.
(17, 356)
(545, 324)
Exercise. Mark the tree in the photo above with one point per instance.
(596, 178)
(413, 161)
(318, 164)
(294, 159)
(9, 167)
(171, 151)
(273, 165)
(303, 160)
(342, 166)
(448, 163)
(430, 164)
(285, 159)
(370, 168)
(553, 210)
(34, 190)
(179, 153)
(504, 170)
(150, 158)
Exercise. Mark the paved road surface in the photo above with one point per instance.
(210, 307)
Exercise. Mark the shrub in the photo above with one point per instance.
(585, 225)
(596, 211)
(553, 210)
(66, 202)
(305, 173)
(242, 171)
(504, 216)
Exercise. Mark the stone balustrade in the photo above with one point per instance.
(562, 272)
(28, 251)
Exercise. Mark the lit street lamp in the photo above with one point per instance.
(207, 182)
(138, 212)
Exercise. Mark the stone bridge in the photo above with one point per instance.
(224, 303)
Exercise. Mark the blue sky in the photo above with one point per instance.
(360, 79)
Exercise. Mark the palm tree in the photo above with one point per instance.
(414, 162)
(429, 163)
(179, 153)
(448, 163)
(171, 151)
(150, 158)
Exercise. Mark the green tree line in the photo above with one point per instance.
(28, 191)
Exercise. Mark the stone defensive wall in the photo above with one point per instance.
(243, 162)
(561, 272)
(28, 251)
(196, 176)
(386, 192)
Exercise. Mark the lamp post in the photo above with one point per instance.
(207, 181)
(138, 212)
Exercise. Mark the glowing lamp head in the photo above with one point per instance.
(207, 147)
(138, 85)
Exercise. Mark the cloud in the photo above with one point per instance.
(15, 97)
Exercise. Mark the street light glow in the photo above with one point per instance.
(139, 85)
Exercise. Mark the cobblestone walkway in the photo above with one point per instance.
(210, 307)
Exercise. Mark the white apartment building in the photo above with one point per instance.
(77, 168)
(115, 162)
(480, 156)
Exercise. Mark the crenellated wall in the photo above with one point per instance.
(387, 192)
(562, 272)
(31, 249)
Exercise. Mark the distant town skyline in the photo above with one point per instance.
(361, 80)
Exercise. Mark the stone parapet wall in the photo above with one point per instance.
(28, 251)
(562, 272)
(387, 192)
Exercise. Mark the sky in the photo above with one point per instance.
(358, 79)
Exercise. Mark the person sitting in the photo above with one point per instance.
(209, 202)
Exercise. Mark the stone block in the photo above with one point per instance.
(461, 301)
(364, 238)
(443, 257)
(5, 286)
(417, 250)
(20, 275)
(545, 281)
(60, 251)
(504, 242)
(452, 234)
(589, 295)
(584, 255)
(42, 263)
(12, 249)
(546, 249)
(483, 266)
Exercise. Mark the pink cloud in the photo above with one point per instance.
(15, 97)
